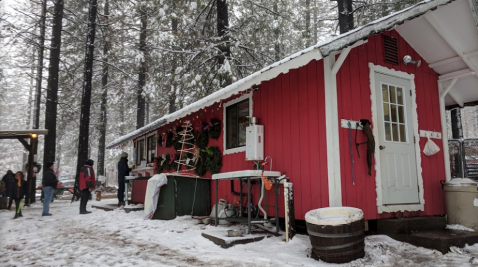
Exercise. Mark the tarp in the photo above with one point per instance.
(152, 194)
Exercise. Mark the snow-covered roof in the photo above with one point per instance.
(294, 61)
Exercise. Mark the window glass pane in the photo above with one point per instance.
(395, 132)
(403, 135)
(140, 151)
(401, 118)
(386, 112)
(151, 148)
(388, 134)
(237, 119)
(231, 127)
(400, 95)
(392, 95)
(385, 93)
(243, 121)
(393, 112)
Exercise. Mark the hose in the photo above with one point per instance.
(260, 200)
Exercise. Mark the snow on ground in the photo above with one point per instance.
(116, 238)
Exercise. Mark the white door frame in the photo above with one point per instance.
(378, 179)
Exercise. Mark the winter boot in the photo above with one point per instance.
(16, 216)
(85, 212)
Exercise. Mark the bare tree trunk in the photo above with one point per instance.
(121, 114)
(172, 91)
(83, 138)
(316, 26)
(346, 17)
(104, 95)
(140, 115)
(276, 33)
(41, 48)
(52, 87)
(307, 23)
(222, 31)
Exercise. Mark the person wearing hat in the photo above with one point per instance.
(123, 171)
(87, 184)
(49, 184)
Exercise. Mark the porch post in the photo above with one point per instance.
(444, 131)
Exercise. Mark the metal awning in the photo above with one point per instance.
(447, 38)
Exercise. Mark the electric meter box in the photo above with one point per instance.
(255, 142)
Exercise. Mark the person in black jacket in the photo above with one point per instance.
(123, 170)
(9, 179)
(19, 190)
(49, 184)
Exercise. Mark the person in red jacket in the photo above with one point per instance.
(87, 184)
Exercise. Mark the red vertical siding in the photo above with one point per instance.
(354, 103)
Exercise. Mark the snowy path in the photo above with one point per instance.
(117, 238)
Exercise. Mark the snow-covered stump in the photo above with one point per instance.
(337, 234)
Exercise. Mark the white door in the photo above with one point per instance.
(398, 168)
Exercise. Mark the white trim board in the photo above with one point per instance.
(373, 91)
(230, 103)
(332, 134)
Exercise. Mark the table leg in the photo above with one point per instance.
(126, 184)
(249, 204)
(216, 222)
(240, 197)
(276, 187)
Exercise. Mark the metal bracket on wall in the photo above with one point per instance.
(344, 124)
(434, 135)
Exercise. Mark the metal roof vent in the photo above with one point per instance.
(390, 50)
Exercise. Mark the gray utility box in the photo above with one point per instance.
(461, 197)
(183, 195)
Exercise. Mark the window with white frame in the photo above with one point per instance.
(140, 149)
(236, 114)
(151, 148)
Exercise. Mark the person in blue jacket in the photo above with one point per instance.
(123, 171)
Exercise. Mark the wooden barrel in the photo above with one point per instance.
(336, 234)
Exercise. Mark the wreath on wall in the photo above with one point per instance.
(163, 163)
(210, 160)
(174, 162)
(169, 138)
(202, 140)
(201, 168)
(160, 140)
(214, 128)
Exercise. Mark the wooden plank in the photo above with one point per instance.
(294, 140)
(287, 123)
(369, 188)
(347, 112)
(324, 187)
(303, 142)
(313, 133)
(360, 163)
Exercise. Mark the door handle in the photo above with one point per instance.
(381, 147)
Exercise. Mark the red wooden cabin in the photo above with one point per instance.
(306, 100)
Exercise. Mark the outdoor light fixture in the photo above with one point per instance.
(34, 135)
(408, 59)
